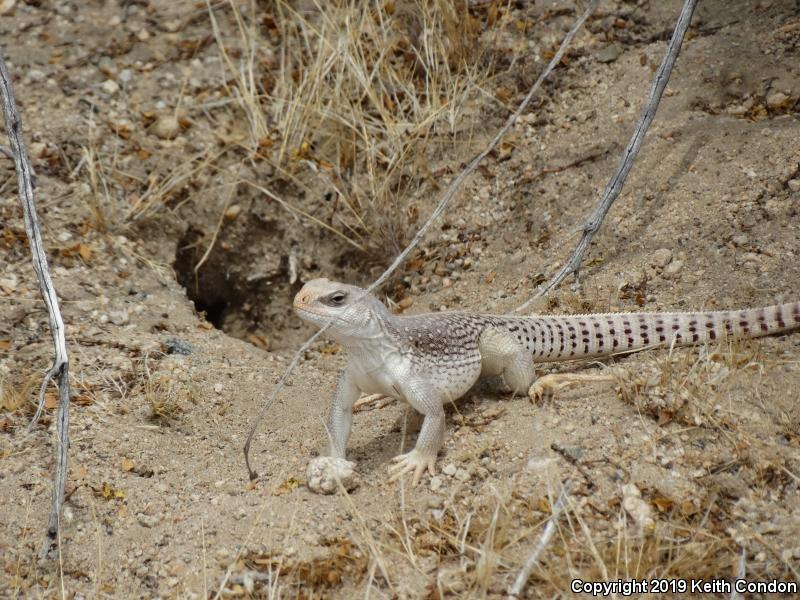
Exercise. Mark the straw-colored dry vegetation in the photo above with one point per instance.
(198, 161)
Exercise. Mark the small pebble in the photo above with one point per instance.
(449, 470)
(119, 317)
(218, 387)
(233, 211)
(462, 475)
(36, 76)
(794, 185)
(166, 127)
(148, 520)
(741, 239)
(110, 87)
(674, 267)
(662, 257)
(436, 483)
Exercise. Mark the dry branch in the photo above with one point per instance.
(60, 368)
(448, 194)
(533, 559)
(617, 181)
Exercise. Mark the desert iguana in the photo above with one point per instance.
(430, 359)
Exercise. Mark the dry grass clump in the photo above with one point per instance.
(165, 397)
(15, 395)
(691, 389)
(353, 99)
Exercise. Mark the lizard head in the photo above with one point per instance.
(354, 314)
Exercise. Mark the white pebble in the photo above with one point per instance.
(110, 87)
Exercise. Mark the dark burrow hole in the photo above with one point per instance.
(246, 296)
(244, 285)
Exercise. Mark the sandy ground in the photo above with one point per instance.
(702, 444)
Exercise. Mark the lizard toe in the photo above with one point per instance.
(412, 462)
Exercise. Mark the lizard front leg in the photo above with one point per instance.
(431, 437)
(340, 417)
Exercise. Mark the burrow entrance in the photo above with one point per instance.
(246, 282)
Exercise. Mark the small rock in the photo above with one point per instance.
(436, 483)
(233, 212)
(9, 284)
(794, 185)
(751, 257)
(637, 508)
(6, 6)
(166, 127)
(148, 520)
(608, 54)
(110, 87)
(661, 257)
(176, 345)
(125, 76)
(218, 387)
(674, 267)
(449, 470)
(36, 76)
(171, 26)
(406, 302)
(119, 317)
(778, 100)
(325, 472)
(741, 239)
(462, 475)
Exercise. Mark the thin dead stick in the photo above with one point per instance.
(442, 204)
(533, 559)
(615, 185)
(740, 575)
(60, 368)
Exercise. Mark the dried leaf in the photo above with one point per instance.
(110, 493)
(85, 251)
(258, 340)
(503, 94)
(83, 400)
(78, 473)
(128, 464)
(663, 504)
(287, 486)
(5, 344)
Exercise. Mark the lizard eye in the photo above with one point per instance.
(337, 298)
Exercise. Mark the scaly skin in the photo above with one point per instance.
(430, 359)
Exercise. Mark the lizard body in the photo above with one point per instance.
(430, 359)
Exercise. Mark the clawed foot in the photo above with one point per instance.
(414, 461)
(550, 385)
(545, 387)
(372, 402)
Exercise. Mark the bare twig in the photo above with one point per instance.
(742, 572)
(6, 152)
(448, 194)
(60, 368)
(614, 187)
(533, 559)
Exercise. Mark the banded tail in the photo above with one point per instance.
(579, 336)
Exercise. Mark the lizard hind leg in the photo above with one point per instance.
(501, 354)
